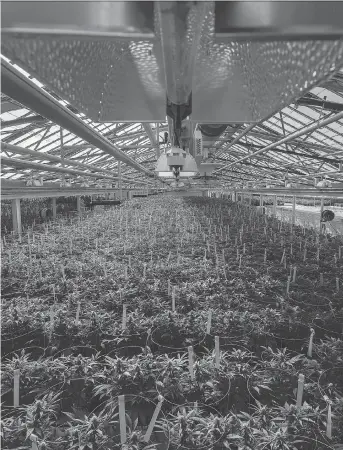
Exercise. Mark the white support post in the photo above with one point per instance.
(293, 210)
(321, 212)
(274, 205)
(157, 140)
(54, 208)
(16, 216)
(78, 204)
(261, 200)
(119, 181)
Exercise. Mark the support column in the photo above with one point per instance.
(274, 205)
(293, 210)
(54, 208)
(158, 140)
(261, 200)
(119, 182)
(16, 216)
(321, 212)
(78, 204)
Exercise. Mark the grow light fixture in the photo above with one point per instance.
(176, 163)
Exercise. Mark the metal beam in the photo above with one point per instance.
(242, 134)
(23, 90)
(51, 192)
(48, 157)
(22, 121)
(328, 192)
(296, 134)
(20, 163)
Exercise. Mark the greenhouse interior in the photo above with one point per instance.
(172, 225)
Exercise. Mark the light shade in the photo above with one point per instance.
(176, 157)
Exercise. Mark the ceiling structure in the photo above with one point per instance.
(96, 102)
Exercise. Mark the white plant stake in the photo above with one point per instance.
(321, 279)
(122, 418)
(294, 273)
(329, 418)
(217, 351)
(16, 379)
(283, 256)
(124, 316)
(337, 284)
(77, 319)
(190, 362)
(265, 255)
(310, 345)
(153, 419)
(209, 322)
(173, 298)
(300, 391)
(33, 439)
(288, 284)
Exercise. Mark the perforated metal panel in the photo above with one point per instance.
(248, 81)
(108, 80)
(124, 80)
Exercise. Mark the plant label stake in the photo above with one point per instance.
(305, 252)
(310, 345)
(124, 316)
(321, 282)
(130, 261)
(300, 391)
(153, 419)
(16, 378)
(144, 270)
(173, 298)
(283, 256)
(240, 261)
(337, 284)
(217, 351)
(288, 284)
(209, 322)
(244, 249)
(329, 418)
(265, 255)
(122, 418)
(33, 439)
(77, 319)
(169, 287)
(190, 362)
(291, 249)
(294, 273)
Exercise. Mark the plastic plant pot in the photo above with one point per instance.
(76, 350)
(173, 428)
(125, 352)
(131, 340)
(330, 382)
(163, 346)
(281, 389)
(233, 338)
(332, 327)
(35, 352)
(284, 336)
(138, 407)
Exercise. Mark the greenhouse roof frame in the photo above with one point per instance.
(315, 154)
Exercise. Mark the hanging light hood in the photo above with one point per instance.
(176, 163)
